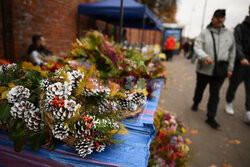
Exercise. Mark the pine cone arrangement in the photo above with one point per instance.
(34, 121)
(84, 147)
(17, 94)
(21, 110)
(60, 131)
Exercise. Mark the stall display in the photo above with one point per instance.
(68, 105)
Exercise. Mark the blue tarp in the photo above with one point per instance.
(134, 151)
(109, 11)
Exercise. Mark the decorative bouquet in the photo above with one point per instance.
(68, 105)
(168, 149)
(113, 62)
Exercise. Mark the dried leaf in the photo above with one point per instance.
(194, 131)
(212, 165)
(226, 165)
(234, 142)
(188, 141)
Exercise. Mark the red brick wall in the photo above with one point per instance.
(56, 20)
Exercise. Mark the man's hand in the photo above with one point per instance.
(244, 62)
(229, 74)
(208, 60)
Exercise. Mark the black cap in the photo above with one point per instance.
(219, 13)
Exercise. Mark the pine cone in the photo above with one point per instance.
(21, 110)
(139, 99)
(17, 94)
(34, 121)
(60, 131)
(62, 114)
(124, 103)
(84, 128)
(75, 76)
(58, 89)
(44, 84)
(100, 147)
(84, 147)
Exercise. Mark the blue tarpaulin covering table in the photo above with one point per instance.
(134, 151)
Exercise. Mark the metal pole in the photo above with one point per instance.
(121, 21)
(4, 30)
(143, 27)
(204, 13)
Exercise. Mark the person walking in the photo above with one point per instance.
(215, 50)
(242, 67)
(169, 47)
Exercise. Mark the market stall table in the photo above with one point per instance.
(133, 151)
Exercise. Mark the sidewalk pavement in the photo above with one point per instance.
(229, 147)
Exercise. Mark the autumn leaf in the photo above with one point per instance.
(212, 165)
(188, 141)
(226, 165)
(234, 142)
(194, 131)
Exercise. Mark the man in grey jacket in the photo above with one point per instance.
(242, 67)
(215, 44)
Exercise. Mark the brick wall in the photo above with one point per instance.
(57, 21)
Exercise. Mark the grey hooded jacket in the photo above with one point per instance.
(225, 48)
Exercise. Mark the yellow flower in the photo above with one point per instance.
(183, 130)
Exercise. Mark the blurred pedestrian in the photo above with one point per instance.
(241, 68)
(186, 48)
(37, 50)
(169, 47)
(215, 49)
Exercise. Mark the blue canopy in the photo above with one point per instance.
(109, 11)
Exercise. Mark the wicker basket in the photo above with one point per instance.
(129, 114)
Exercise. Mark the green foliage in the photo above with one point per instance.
(37, 140)
(17, 134)
(4, 111)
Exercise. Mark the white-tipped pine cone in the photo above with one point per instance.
(44, 84)
(75, 76)
(21, 110)
(58, 89)
(100, 148)
(63, 114)
(139, 99)
(34, 121)
(60, 131)
(84, 147)
(17, 94)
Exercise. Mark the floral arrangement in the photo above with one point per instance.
(70, 105)
(168, 149)
(114, 62)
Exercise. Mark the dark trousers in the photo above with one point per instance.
(240, 74)
(169, 54)
(215, 84)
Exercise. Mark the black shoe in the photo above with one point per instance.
(194, 107)
(212, 122)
